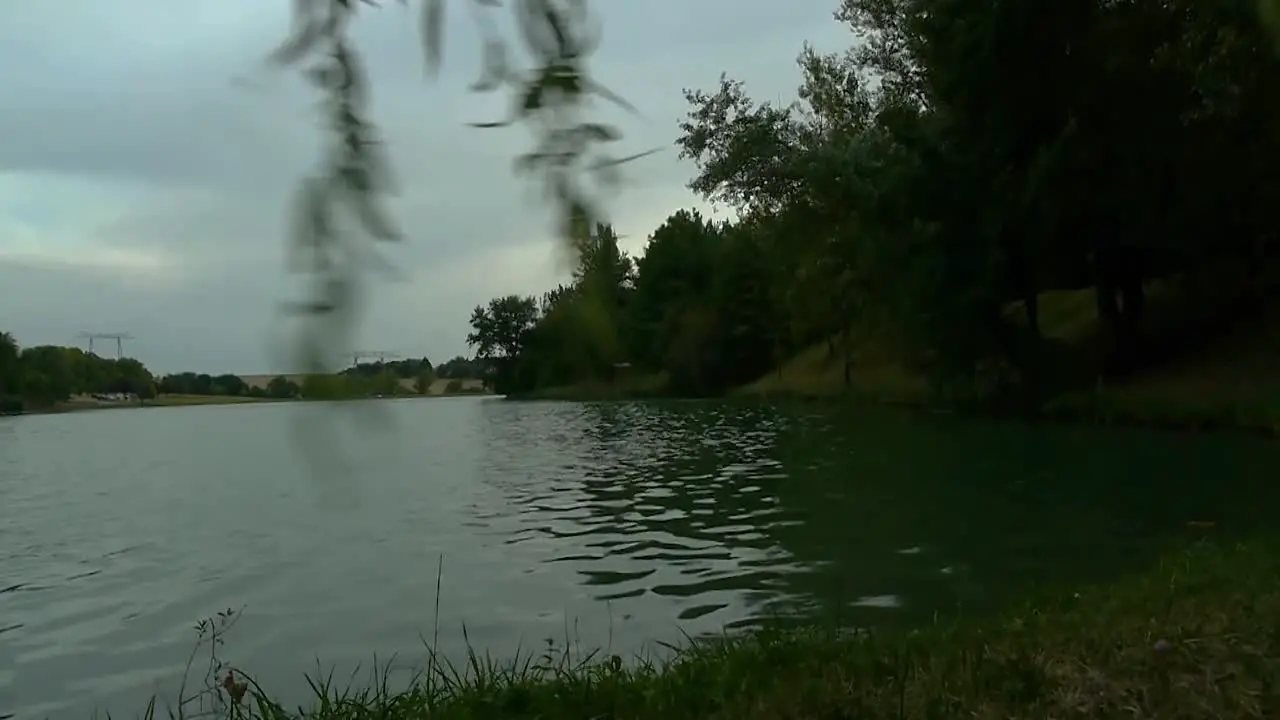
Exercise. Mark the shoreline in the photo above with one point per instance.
(212, 400)
(1102, 410)
(1192, 636)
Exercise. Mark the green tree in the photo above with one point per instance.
(10, 377)
(499, 333)
(229, 384)
(282, 388)
(46, 372)
(422, 383)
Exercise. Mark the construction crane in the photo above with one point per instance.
(375, 355)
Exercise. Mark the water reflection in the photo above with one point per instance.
(620, 524)
(747, 514)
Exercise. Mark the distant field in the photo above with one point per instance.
(470, 385)
(178, 399)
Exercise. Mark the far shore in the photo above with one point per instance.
(88, 404)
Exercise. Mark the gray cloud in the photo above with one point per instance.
(147, 158)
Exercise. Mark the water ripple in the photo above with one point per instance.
(616, 524)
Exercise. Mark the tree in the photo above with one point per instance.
(499, 334)
(422, 383)
(282, 388)
(500, 329)
(10, 379)
(459, 367)
(228, 384)
(931, 184)
(47, 376)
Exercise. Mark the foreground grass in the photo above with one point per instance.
(1196, 637)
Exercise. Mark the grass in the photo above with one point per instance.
(178, 399)
(1232, 380)
(637, 386)
(83, 403)
(816, 373)
(1198, 636)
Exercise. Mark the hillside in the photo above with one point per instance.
(1231, 378)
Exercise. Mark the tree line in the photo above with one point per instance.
(47, 374)
(42, 376)
(928, 190)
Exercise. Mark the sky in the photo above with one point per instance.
(148, 159)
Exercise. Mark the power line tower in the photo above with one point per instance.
(377, 355)
(119, 337)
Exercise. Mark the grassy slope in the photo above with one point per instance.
(1195, 637)
(634, 387)
(1235, 380)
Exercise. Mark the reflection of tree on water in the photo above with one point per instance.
(945, 514)
(734, 514)
(671, 500)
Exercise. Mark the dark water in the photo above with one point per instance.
(615, 525)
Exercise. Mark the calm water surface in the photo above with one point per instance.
(616, 525)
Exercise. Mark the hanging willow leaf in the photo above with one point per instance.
(310, 227)
(374, 221)
(552, 95)
(603, 162)
(607, 94)
(495, 66)
(432, 28)
(603, 133)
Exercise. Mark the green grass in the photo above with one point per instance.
(635, 387)
(1231, 380)
(1198, 636)
(178, 399)
(816, 373)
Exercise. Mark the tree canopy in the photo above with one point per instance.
(930, 187)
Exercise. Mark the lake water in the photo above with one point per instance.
(617, 525)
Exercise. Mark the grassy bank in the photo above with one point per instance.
(177, 400)
(637, 387)
(181, 400)
(78, 404)
(1198, 636)
(1232, 379)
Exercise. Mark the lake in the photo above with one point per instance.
(615, 526)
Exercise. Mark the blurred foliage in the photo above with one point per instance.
(551, 97)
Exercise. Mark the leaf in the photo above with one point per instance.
(310, 229)
(432, 29)
(611, 96)
(495, 66)
(608, 162)
(320, 76)
(532, 99)
(307, 307)
(598, 131)
(375, 222)
(297, 47)
(525, 162)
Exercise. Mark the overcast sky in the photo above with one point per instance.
(143, 189)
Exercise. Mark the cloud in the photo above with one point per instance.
(147, 160)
